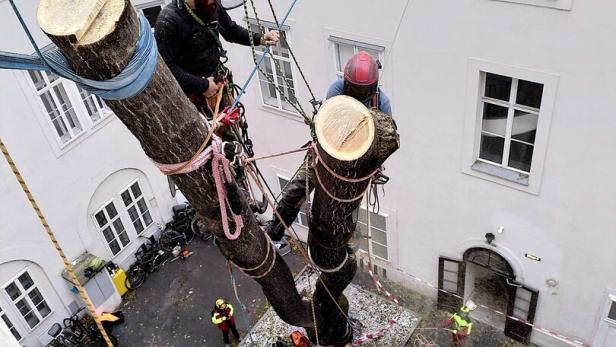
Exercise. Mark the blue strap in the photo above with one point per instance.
(130, 82)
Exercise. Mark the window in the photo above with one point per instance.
(27, 299)
(507, 124)
(10, 325)
(378, 231)
(344, 49)
(151, 11)
(137, 209)
(65, 104)
(110, 224)
(95, 107)
(302, 218)
(612, 313)
(277, 66)
(52, 91)
(510, 113)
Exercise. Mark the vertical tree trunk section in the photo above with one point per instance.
(170, 130)
(353, 142)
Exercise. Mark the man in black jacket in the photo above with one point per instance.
(187, 34)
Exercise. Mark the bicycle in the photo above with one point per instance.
(186, 221)
(152, 255)
(76, 333)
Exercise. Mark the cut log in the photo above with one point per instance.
(78, 16)
(353, 142)
(170, 130)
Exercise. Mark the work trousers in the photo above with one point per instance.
(225, 333)
(294, 194)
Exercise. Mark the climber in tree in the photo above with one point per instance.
(361, 81)
(187, 33)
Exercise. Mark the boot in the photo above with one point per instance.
(274, 229)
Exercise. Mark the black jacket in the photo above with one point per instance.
(189, 50)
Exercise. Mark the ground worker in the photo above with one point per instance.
(222, 317)
(460, 324)
(361, 81)
(187, 34)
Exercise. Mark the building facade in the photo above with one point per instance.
(501, 192)
(96, 187)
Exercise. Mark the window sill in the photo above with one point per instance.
(284, 113)
(376, 258)
(496, 171)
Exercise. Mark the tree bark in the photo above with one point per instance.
(171, 130)
(333, 224)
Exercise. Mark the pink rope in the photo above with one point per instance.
(222, 174)
(204, 156)
(318, 159)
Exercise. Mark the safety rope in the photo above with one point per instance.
(258, 64)
(271, 266)
(294, 241)
(131, 81)
(295, 104)
(332, 270)
(299, 68)
(243, 308)
(309, 218)
(522, 321)
(67, 264)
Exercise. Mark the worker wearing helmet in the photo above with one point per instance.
(187, 34)
(361, 81)
(222, 317)
(461, 324)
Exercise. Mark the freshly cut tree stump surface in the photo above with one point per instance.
(344, 128)
(354, 141)
(77, 17)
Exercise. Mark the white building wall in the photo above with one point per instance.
(69, 182)
(436, 209)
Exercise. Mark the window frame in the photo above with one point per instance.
(286, 29)
(134, 203)
(24, 295)
(150, 4)
(611, 303)
(104, 111)
(531, 182)
(110, 224)
(511, 107)
(9, 324)
(336, 40)
(48, 88)
(362, 209)
(74, 96)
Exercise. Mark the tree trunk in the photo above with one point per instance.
(334, 221)
(171, 130)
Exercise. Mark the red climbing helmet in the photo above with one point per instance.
(361, 76)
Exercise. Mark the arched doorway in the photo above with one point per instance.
(488, 277)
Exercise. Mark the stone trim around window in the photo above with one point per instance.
(530, 182)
